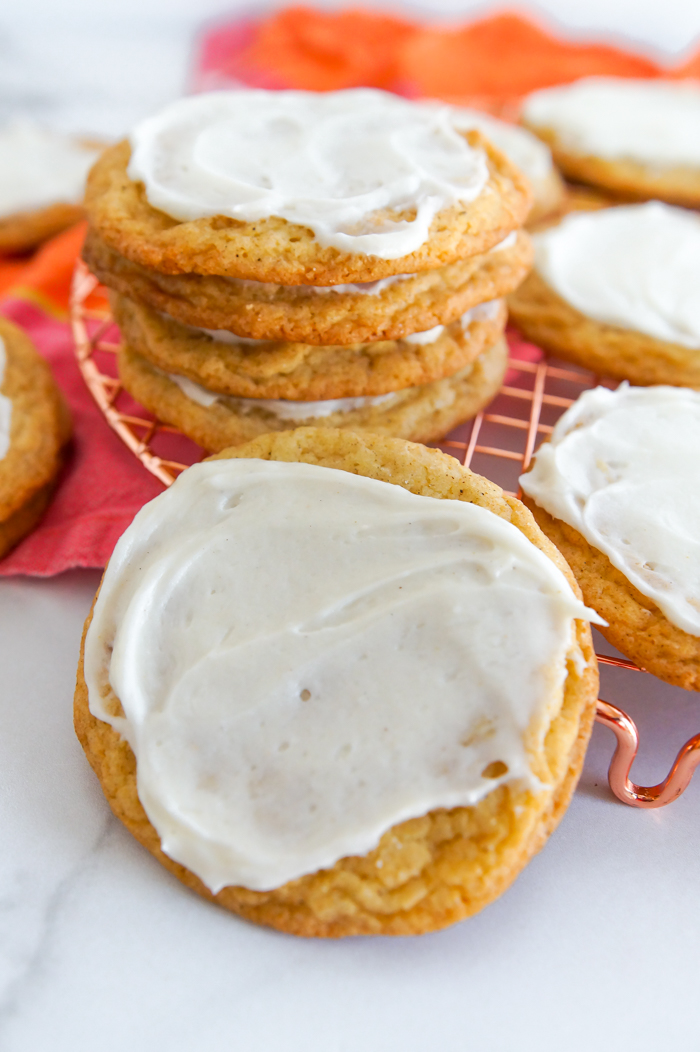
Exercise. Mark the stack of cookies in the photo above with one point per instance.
(285, 258)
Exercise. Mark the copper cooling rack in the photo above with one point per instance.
(498, 443)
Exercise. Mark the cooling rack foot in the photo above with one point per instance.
(627, 737)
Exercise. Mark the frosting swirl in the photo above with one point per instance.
(305, 657)
(341, 163)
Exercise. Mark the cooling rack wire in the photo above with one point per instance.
(498, 443)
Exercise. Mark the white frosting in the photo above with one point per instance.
(482, 312)
(362, 288)
(427, 336)
(525, 150)
(637, 267)
(328, 161)
(39, 168)
(622, 469)
(655, 122)
(507, 242)
(5, 407)
(305, 657)
(224, 336)
(285, 409)
(194, 391)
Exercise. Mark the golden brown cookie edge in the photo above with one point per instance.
(636, 625)
(430, 298)
(40, 425)
(423, 471)
(425, 414)
(298, 371)
(21, 232)
(625, 179)
(546, 319)
(117, 208)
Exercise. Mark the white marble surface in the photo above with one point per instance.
(596, 945)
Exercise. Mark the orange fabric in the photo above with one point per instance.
(493, 61)
(45, 277)
(323, 52)
(691, 68)
(507, 55)
(10, 272)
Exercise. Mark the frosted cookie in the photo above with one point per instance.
(231, 365)
(308, 188)
(42, 179)
(532, 156)
(577, 198)
(371, 705)
(34, 428)
(618, 491)
(637, 138)
(616, 291)
(352, 313)
(421, 414)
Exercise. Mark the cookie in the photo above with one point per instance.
(438, 864)
(550, 199)
(421, 414)
(271, 369)
(373, 186)
(23, 231)
(384, 310)
(577, 198)
(41, 186)
(34, 429)
(637, 139)
(532, 156)
(616, 491)
(615, 291)
(636, 625)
